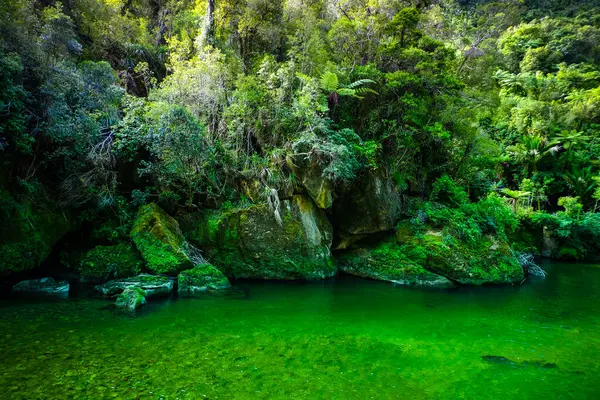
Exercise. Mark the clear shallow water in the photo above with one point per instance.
(342, 339)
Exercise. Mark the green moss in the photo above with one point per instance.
(28, 231)
(131, 298)
(158, 238)
(390, 262)
(200, 278)
(109, 262)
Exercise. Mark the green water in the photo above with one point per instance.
(341, 339)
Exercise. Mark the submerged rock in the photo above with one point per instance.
(153, 285)
(389, 262)
(43, 286)
(109, 262)
(158, 238)
(201, 278)
(131, 298)
(291, 242)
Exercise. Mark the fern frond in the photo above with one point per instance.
(329, 81)
(359, 82)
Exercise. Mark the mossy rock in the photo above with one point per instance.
(310, 176)
(250, 243)
(158, 238)
(389, 261)
(370, 204)
(488, 260)
(28, 231)
(153, 285)
(109, 262)
(131, 298)
(201, 278)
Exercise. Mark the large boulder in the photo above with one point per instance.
(486, 260)
(388, 261)
(43, 286)
(109, 262)
(309, 174)
(200, 279)
(289, 242)
(153, 285)
(131, 298)
(158, 238)
(28, 232)
(370, 204)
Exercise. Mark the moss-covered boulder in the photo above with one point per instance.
(389, 261)
(292, 242)
(109, 262)
(486, 260)
(131, 298)
(28, 231)
(153, 285)
(310, 176)
(160, 242)
(370, 204)
(201, 278)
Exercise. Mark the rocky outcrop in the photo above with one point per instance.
(159, 240)
(153, 285)
(28, 232)
(131, 298)
(389, 262)
(310, 177)
(43, 286)
(200, 279)
(369, 205)
(291, 241)
(487, 260)
(109, 262)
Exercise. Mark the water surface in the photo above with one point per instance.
(346, 338)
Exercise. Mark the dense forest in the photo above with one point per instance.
(426, 142)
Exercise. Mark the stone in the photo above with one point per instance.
(153, 285)
(310, 176)
(109, 262)
(390, 262)
(201, 278)
(370, 204)
(259, 242)
(28, 231)
(159, 240)
(43, 286)
(131, 298)
(487, 261)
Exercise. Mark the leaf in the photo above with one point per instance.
(329, 81)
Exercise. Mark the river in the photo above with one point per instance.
(345, 338)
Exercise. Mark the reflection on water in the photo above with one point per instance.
(345, 338)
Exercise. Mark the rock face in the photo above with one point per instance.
(43, 286)
(389, 262)
(201, 278)
(151, 284)
(252, 243)
(158, 238)
(310, 176)
(108, 262)
(28, 232)
(131, 298)
(370, 204)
